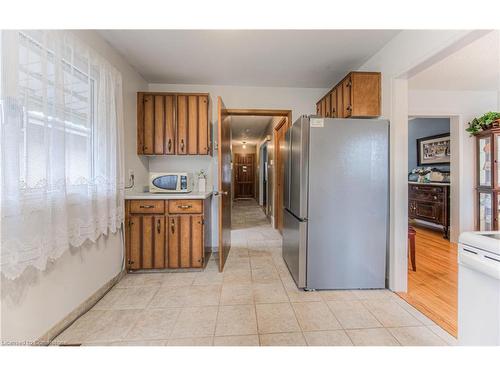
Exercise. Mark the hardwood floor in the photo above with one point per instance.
(432, 289)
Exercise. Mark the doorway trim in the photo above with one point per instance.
(287, 113)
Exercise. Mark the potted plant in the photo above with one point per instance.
(487, 121)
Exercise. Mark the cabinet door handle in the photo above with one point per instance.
(185, 206)
(169, 145)
(147, 206)
(182, 145)
(158, 226)
(172, 226)
(349, 107)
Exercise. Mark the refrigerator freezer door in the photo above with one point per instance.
(294, 247)
(298, 167)
(348, 204)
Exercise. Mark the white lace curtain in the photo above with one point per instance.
(61, 147)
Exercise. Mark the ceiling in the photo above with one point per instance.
(273, 58)
(475, 67)
(248, 128)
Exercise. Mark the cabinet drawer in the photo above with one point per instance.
(147, 206)
(185, 206)
(421, 188)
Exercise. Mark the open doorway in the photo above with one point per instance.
(432, 264)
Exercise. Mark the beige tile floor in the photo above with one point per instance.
(253, 302)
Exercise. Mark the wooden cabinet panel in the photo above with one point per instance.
(323, 107)
(182, 124)
(340, 102)
(333, 103)
(159, 121)
(148, 125)
(135, 230)
(147, 241)
(197, 241)
(347, 96)
(365, 94)
(150, 206)
(327, 106)
(185, 206)
(170, 124)
(173, 241)
(203, 128)
(192, 140)
(185, 241)
(159, 242)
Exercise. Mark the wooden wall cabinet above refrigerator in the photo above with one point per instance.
(173, 124)
(357, 95)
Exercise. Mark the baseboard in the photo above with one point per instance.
(85, 306)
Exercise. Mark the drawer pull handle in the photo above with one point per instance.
(435, 197)
(185, 206)
(147, 206)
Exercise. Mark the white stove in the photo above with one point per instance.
(479, 288)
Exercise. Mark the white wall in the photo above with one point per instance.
(409, 53)
(299, 100)
(36, 301)
(464, 105)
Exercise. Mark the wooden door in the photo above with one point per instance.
(347, 96)
(279, 135)
(224, 187)
(244, 167)
(147, 242)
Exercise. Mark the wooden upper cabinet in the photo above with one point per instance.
(357, 95)
(173, 124)
(327, 106)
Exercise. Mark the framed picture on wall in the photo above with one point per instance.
(434, 149)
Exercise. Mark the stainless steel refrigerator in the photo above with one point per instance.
(336, 190)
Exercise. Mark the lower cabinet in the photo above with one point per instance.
(167, 240)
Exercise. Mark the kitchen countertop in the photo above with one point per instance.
(192, 195)
(429, 183)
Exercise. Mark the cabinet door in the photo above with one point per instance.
(496, 220)
(192, 139)
(159, 242)
(365, 94)
(159, 124)
(170, 140)
(318, 109)
(347, 96)
(203, 129)
(333, 103)
(485, 160)
(148, 125)
(327, 105)
(323, 107)
(182, 124)
(496, 161)
(173, 241)
(197, 241)
(134, 247)
(485, 210)
(340, 101)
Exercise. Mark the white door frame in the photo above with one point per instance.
(398, 235)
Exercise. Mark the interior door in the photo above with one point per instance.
(224, 187)
(244, 175)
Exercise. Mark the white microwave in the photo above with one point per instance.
(170, 182)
